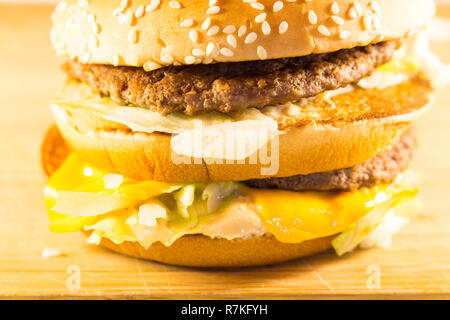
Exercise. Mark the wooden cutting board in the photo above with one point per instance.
(417, 264)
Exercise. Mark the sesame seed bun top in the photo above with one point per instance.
(157, 33)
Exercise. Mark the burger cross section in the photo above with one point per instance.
(329, 90)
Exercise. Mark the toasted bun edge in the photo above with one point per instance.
(202, 251)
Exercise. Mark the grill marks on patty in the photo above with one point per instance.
(232, 86)
(383, 168)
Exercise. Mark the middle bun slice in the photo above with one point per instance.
(321, 134)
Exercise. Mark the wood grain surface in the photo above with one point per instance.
(416, 266)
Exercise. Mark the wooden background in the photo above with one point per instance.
(417, 265)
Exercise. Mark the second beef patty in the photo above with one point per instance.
(383, 168)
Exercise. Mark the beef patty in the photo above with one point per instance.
(232, 86)
(383, 168)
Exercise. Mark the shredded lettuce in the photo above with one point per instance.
(112, 226)
(149, 211)
(185, 198)
(348, 240)
(78, 98)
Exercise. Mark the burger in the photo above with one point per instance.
(229, 133)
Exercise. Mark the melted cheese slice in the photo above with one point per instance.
(293, 217)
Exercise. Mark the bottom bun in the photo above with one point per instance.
(194, 250)
(202, 251)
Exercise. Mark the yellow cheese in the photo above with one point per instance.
(293, 217)
(77, 187)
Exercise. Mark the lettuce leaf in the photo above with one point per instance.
(76, 96)
(77, 198)
(353, 236)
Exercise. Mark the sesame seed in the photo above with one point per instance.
(118, 11)
(61, 7)
(344, 34)
(323, 30)
(198, 52)
(212, 2)
(367, 22)
(116, 60)
(167, 58)
(122, 18)
(174, 4)
(95, 28)
(257, 5)
(213, 10)
(93, 42)
(283, 27)
(132, 36)
(251, 37)
(312, 17)
(296, 0)
(337, 20)
(335, 8)
(352, 13)
(266, 29)
(189, 60)
(83, 44)
(139, 12)
(260, 17)
(358, 7)
(242, 30)
(226, 52)
(207, 60)
(90, 17)
(130, 18)
(154, 4)
(206, 23)
(150, 66)
(193, 35)
(229, 29)
(85, 58)
(83, 3)
(232, 40)
(213, 31)
(187, 23)
(69, 22)
(375, 7)
(126, 18)
(262, 53)
(277, 6)
(124, 4)
(376, 23)
(210, 48)
(149, 8)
